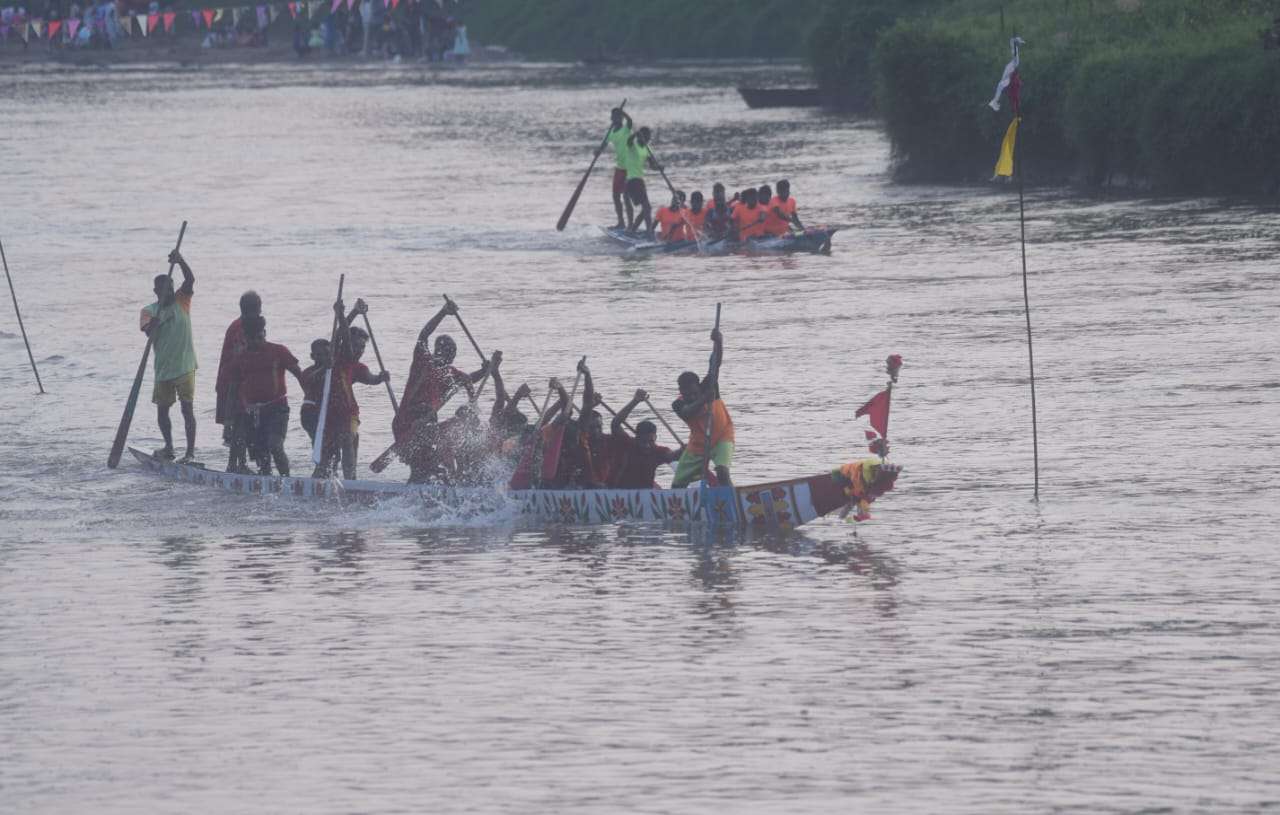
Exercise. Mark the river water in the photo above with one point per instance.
(1112, 648)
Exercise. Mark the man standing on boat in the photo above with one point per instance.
(227, 403)
(699, 401)
(168, 322)
(619, 131)
(638, 156)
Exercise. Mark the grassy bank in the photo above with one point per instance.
(574, 29)
(1177, 95)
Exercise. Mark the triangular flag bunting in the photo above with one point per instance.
(26, 33)
(142, 22)
(293, 10)
(263, 20)
(235, 18)
(350, 3)
(126, 25)
(153, 20)
(195, 18)
(208, 17)
(274, 12)
(217, 15)
(73, 25)
(54, 27)
(38, 27)
(169, 18)
(333, 9)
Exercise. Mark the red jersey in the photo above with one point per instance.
(233, 344)
(342, 396)
(632, 467)
(773, 225)
(427, 388)
(258, 374)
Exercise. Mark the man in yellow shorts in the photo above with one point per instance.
(700, 399)
(168, 322)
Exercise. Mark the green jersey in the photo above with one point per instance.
(637, 155)
(175, 354)
(618, 138)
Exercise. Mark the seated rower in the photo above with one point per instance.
(718, 222)
(635, 460)
(748, 218)
(507, 425)
(670, 220)
(256, 376)
(695, 217)
(585, 458)
(432, 381)
(781, 217)
(529, 470)
(700, 399)
(312, 382)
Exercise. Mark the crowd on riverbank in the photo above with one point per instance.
(432, 30)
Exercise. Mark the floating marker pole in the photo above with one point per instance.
(1026, 309)
(16, 311)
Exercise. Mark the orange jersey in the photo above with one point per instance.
(774, 225)
(695, 219)
(749, 221)
(721, 428)
(670, 224)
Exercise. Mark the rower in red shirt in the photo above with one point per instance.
(342, 419)
(257, 375)
(635, 460)
(227, 406)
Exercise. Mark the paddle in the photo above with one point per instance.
(614, 414)
(381, 368)
(663, 419)
(21, 327)
(317, 449)
(706, 447)
(122, 432)
(573, 200)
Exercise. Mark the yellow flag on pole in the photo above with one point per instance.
(1004, 164)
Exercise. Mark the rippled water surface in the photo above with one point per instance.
(1114, 648)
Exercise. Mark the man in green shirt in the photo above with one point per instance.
(168, 322)
(637, 156)
(619, 132)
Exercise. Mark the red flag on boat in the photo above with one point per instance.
(877, 411)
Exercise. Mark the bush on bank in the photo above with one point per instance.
(1177, 95)
(574, 29)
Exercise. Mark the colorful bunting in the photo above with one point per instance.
(1009, 81)
(54, 27)
(263, 19)
(169, 18)
(26, 33)
(153, 20)
(208, 17)
(274, 12)
(126, 25)
(38, 27)
(141, 20)
(293, 10)
(334, 8)
(235, 18)
(73, 25)
(217, 15)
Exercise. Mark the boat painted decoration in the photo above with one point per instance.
(777, 505)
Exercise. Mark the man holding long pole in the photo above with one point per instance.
(710, 426)
(167, 322)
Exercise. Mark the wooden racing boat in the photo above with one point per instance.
(779, 505)
(816, 241)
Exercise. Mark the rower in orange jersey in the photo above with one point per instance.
(670, 220)
(695, 216)
(700, 400)
(781, 215)
(748, 218)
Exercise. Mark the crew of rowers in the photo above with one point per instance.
(558, 446)
(755, 212)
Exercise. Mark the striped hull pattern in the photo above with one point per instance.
(779, 505)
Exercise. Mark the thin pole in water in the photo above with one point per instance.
(21, 327)
(1026, 310)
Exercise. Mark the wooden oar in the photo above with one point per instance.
(573, 200)
(21, 327)
(665, 424)
(551, 449)
(122, 432)
(614, 414)
(706, 446)
(317, 449)
(382, 368)
(534, 404)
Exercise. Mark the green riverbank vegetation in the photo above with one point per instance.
(622, 29)
(1170, 95)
